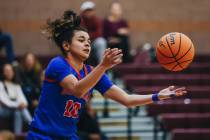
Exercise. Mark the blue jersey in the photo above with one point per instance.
(58, 113)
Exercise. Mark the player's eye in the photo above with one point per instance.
(81, 40)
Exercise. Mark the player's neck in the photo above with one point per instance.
(76, 63)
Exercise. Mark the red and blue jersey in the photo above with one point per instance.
(57, 113)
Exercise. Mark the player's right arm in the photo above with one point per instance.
(117, 94)
(78, 88)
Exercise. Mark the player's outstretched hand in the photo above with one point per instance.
(171, 92)
(111, 57)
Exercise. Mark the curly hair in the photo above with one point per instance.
(62, 29)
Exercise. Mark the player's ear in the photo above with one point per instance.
(66, 46)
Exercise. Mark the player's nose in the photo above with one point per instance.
(87, 44)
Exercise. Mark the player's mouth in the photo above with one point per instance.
(86, 50)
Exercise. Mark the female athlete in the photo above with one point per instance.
(69, 82)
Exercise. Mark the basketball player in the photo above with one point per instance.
(69, 83)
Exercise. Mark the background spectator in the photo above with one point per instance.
(6, 42)
(116, 30)
(94, 25)
(12, 99)
(29, 74)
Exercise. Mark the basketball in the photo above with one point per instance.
(175, 51)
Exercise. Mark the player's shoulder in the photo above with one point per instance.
(57, 63)
(58, 60)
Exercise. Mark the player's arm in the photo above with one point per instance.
(119, 95)
(79, 88)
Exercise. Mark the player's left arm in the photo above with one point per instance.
(119, 95)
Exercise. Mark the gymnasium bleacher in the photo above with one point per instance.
(165, 120)
(183, 117)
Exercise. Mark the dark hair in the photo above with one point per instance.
(14, 79)
(62, 29)
(23, 61)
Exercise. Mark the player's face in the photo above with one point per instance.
(80, 46)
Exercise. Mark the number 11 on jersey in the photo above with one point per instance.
(72, 108)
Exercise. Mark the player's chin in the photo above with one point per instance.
(85, 56)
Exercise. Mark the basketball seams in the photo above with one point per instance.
(172, 52)
(181, 63)
(186, 52)
(180, 57)
(175, 51)
(180, 41)
(164, 54)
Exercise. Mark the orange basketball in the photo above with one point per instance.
(175, 51)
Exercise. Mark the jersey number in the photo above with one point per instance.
(71, 109)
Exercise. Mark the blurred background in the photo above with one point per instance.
(134, 26)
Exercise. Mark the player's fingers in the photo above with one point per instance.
(114, 49)
(114, 52)
(181, 93)
(107, 51)
(117, 61)
(109, 54)
(119, 55)
(177, 92)
(180, 89)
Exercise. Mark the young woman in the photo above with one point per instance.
(69, 83)
(29, 73)
(116, 30)
(12, 100)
